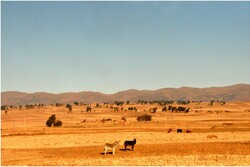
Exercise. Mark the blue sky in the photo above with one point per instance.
(113, 46)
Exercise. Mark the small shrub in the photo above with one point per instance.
(164, 109)
(52, 118)
(5, 107)
(49, 123)
(70, 110)
(124, 119)
(68, 106)
(103, 120)
(132, 108)
(169, 130)
(52, 121)
(187, 110)
(58, 123)
(153, 109)
(144, 118)
(88, 109)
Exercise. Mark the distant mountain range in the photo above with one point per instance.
(239, 92)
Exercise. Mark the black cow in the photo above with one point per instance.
(130, 143)
(179, 130)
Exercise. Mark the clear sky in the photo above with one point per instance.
(113, 46)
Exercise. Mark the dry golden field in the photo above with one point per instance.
(26, 140)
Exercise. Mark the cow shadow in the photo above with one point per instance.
(119, 149)
(124, 149)
(106, 153)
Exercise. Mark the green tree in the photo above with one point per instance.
(76, 103)
(5, 107)
(88, 109)
(211, 102)
(69, 107)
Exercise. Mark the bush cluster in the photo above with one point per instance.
(132, 108)
(144, 118)
(52, 121)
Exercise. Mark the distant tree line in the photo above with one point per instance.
(176, 109)
(117, 103)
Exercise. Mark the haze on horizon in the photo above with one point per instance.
(113, 46)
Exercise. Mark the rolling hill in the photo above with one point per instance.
(239, 92)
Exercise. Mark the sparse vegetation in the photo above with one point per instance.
(119, 103)
(132, 108)
(144, 118)
(84, 132)
(59, 104)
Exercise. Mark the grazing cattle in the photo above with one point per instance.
(130, 143)
(189, 131)
(169, 130)
(179, 130)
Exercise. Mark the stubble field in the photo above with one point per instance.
(26, 140)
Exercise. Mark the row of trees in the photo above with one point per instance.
(117, 103)
(177, 109)
(27, 106)
(219, 102)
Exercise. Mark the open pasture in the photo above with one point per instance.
(26, 140)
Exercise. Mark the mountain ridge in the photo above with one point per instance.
(237, 92)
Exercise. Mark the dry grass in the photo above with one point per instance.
(158, 154)
(27, 141)
(165, 160)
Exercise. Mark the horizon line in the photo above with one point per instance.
(125, 90)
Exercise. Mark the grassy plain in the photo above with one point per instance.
(26, 140)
